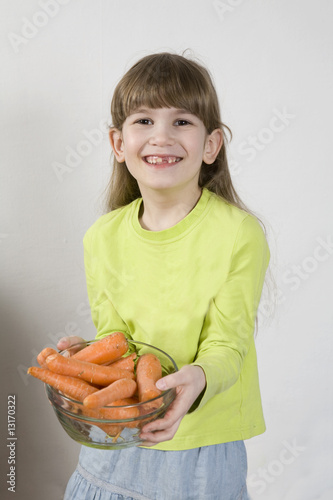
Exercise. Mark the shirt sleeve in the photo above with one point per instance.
(103, 313)
(228, 327)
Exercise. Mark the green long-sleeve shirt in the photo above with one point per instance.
(193, 291)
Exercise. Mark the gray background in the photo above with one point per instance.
(60, 61)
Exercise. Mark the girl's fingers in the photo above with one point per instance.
(189, 382)
(187, 375)
(174, 380)
(152, 438)
(170, 422)
(67, 342)
(173, 415)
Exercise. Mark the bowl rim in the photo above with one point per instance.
(136, 405)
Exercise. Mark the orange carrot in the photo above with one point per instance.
(119, 413)
(110, 413)
(71, 386)
(107, 349)
(110, 429)
(148, 371)
(91, 372)
(120, 389)
(43, 355)
(126, 363)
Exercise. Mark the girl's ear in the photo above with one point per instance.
(213, 145)
(116, 142)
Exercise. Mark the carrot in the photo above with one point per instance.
(72, 387)
(148, 371)
(116, 414)
(109, 429)
(95, 374)
(120, 389)
(126, 363)
(107, 349)
(43, 355)
(132, 412)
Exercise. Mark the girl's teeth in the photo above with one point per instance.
(159, 159)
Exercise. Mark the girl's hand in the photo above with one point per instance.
(189, 381)
(67, 342)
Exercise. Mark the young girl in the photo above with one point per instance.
(177, 262)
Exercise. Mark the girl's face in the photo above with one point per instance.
(164, 148)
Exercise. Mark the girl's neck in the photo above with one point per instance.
(161, 211)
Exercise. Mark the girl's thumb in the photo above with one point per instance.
(167, 382)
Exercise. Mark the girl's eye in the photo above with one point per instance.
(182, 122)
(143, 121)
(148, 121)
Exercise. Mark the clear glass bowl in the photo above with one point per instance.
(83, 426)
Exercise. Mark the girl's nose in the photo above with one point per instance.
(162, 135)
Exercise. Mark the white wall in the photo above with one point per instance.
(267, 58)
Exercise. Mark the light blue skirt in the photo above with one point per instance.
(209, 473)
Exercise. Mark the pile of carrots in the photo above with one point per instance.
(104, 376)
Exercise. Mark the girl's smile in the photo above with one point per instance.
(161, 161)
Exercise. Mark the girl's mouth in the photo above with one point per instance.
(162, 160)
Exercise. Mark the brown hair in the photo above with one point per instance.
(170, 80)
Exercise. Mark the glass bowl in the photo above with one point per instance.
(90, 428)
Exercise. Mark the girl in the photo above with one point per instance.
(177, 262)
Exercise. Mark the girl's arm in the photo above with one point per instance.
(104, 315)
(226, 336)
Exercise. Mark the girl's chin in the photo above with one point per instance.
(158, 187)
(168, 187)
